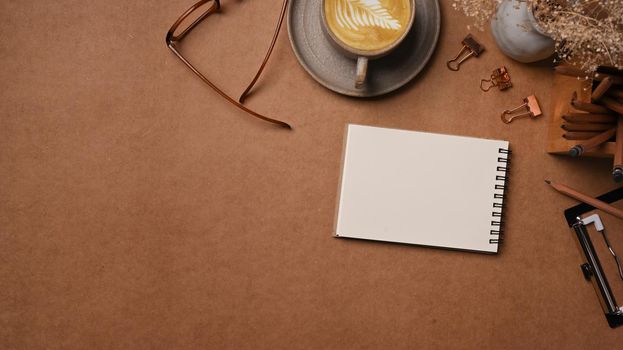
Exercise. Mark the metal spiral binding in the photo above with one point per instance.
(497, 223)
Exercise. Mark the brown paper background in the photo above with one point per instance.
(140, 210)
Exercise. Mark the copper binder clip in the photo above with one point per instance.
(532, 106)
(471, 46)
(500, 78)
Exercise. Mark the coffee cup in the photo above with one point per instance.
(366, 29)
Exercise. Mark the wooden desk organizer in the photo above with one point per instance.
(562, 89)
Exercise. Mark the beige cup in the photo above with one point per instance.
(366, 29)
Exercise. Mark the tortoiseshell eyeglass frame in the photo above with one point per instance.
(212, 7)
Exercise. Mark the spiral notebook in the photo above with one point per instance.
(422, 188)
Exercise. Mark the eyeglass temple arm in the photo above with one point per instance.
(284, 7)
(172, 39)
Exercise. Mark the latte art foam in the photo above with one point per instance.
(368, 25)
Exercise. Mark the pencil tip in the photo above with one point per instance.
(548, 182)
(575, 151)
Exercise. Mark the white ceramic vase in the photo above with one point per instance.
(517, 33)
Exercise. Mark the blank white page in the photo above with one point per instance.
(420, 188)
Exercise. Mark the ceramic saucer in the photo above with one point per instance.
(337, 72)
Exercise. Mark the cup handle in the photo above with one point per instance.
(362, 70)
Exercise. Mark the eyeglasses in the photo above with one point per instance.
(212, 6)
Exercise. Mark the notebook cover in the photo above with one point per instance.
(422, 188)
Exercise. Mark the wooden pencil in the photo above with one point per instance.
(591, 143)
(616, 79)
(589, 118)
(570, 71)
(601, 89)
(568, 191)
(587, 126)
(617, 167)
(618, 93)
(579, 135)
(613, 104)
(587, 107)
